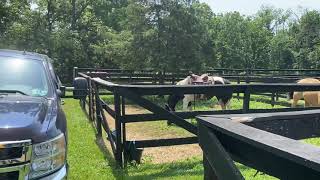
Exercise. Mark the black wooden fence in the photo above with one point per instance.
(97, 108)
(235, 75)
(266, 142)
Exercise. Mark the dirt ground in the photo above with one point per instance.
(157, 130)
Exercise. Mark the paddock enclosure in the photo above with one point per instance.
(217, 127)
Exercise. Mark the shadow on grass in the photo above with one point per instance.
(116, 170)
(174, 170)
(147, 170)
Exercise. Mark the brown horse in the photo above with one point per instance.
(311, 98)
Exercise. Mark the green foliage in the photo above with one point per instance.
(163, 35)
(307, 40)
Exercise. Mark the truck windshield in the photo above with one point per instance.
(21, 76)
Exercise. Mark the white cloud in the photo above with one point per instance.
(250, 7)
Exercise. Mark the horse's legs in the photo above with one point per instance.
(222, 104)
(228, 104)
(224, 101)
(173, 100)
(307, 104)
(190, 106)
(296, 97)
(186, 100)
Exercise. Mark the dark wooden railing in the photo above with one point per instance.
(97, 108)
(235, 75)
(264, 142)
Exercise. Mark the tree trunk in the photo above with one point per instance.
(73, 21)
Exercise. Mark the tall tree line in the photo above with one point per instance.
(164, 35)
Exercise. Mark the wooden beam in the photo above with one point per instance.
(221, 163)
(275, 155)
(158, 110)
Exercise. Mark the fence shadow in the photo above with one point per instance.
(166, 171)
(149, 170)
(116, 171)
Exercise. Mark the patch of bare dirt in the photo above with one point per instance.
(157, 130)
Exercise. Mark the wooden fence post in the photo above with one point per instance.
(75, 72)
(162, 80)
(247, 76)
(173, 79)
(246, 100)
(89, 97)
(93, 101)
(272, 99)
(98, 112)
(124, 134)
(118, 119)
(238, 82)
(130, 77)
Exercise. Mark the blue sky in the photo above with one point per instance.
(250, 7)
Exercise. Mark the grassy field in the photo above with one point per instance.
(87, 160)
(90, 159)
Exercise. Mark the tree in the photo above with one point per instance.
(163, 35)
(306, 33)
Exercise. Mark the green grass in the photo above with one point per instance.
(84, 157)
(89, 159)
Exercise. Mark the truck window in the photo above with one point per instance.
(24, 75)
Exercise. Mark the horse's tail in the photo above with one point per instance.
(226, 81)
(172, 101)
(290, 95)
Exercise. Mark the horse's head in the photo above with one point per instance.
(205, 78)
(199, 79)
(192, 78)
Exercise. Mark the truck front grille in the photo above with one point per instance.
(10, 175)
(15, 159)
(11, 153)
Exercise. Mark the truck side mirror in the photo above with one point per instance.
(63, 91)
(59, 93)
(80, 90)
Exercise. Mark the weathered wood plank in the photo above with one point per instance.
(221, 163)
(157, 109)
(270, 153)
(165, 142)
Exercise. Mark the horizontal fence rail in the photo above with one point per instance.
(162, 77)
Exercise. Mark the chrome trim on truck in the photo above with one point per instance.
(21, 164)
(25, 154)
